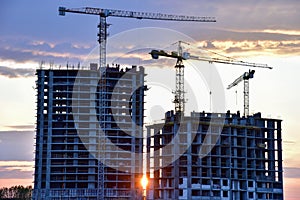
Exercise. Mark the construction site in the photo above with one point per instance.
(92, 142)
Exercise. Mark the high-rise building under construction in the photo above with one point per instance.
(77, 110)
(220, 156)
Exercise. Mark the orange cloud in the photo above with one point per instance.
(250, 48)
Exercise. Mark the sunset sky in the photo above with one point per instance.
(254, 31)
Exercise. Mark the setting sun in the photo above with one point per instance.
(144, 182)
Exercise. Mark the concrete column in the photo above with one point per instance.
(49, 134)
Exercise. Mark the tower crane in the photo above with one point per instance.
(179, 99)
(102, 36)
(104, 13)
(244, 77)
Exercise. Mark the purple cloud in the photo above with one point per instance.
(22, 127)
(16, 72)
(292, 172)
(17, 145)
(7, 173)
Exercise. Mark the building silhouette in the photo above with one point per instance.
(220, 156)
(78, 111)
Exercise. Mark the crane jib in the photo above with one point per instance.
(133, 14)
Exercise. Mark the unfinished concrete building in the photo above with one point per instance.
(68, 145)
(244, 163)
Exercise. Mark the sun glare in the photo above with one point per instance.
(144, 182)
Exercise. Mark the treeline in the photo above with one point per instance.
(16, 193)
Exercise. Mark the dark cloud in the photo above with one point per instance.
(16, 145)
(22, 50)
(289, 142)
(22, 127)
(16, 55)
(279, 48)
(7, 173)
(16, 72)
(222, 34)
(289, 45)
(23, 55)
(292, 172)
(209, 45)
(246, 15)
(234, 49)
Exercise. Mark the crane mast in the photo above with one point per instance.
(179, 99)
(244, 77)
